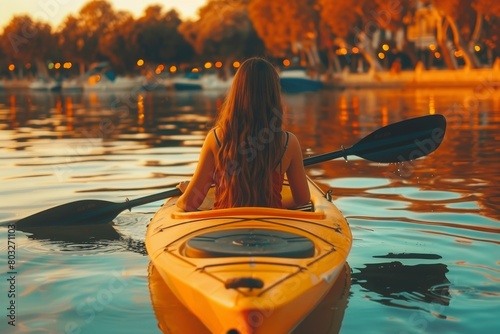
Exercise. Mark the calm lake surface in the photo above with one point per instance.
(426, 255)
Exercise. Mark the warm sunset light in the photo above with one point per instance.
(55, 11)
(271, 166)
(341, 51)
(159, 69)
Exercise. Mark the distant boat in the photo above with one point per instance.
(74, 84)
(297, 80)
(101, 77)
(102, 83)
(158, 82)
(197, 81)
(45, 84)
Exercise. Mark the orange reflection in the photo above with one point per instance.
(432, 105)
(385, 115)
(140, 113)
(59, 109)
(93, 99)
(69, 113)
(13, 110)
(344, 116)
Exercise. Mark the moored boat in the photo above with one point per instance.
(250, 270)
(297, 80)
(199, 81)
(45, 84)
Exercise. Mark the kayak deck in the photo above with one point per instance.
(256, 288)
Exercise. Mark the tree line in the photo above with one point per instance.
(326, 35)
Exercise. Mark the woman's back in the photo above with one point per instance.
(248, 153)
(277, 178)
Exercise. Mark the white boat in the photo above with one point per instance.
(103, 83)
(197, 81)
(298, 80)
(158, 82)
(45, 84)
(101, 77)
(74, 84)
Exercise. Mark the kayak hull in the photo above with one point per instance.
(264, 271)
(174, 317)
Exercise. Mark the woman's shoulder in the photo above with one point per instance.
(291, 137)
(212, 139)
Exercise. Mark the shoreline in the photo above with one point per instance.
(477, 78)
(484, 78)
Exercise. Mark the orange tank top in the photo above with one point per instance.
(277, 179)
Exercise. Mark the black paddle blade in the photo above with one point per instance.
(402, 141)
(87, 212)
(84, 212)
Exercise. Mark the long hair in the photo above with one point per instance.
(251, 123)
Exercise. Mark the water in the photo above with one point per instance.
(425, 257)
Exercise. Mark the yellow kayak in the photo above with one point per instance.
(174, 318)
(251, 269)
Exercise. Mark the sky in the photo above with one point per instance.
(54, 11)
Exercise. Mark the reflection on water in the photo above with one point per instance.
(397, 284)
(57, 148)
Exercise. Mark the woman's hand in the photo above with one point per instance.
(182, 186)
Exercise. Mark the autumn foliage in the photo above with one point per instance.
(324, 34)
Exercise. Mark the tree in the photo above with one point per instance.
(288, 27)
(223, 31)
(71, 41)
(460, 22)
(157, 37)
(26, 41)
(117, 44)
(394, 16)
(356, 23)
(80, 35)
(489, 16)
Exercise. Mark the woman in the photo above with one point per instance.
(247, 154)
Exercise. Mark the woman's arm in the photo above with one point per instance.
(296, 173)
(202, 179)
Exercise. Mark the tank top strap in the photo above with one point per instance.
(284, 149)
(216, 138)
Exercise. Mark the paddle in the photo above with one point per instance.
(402, 141)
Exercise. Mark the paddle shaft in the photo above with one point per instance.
(401, 141)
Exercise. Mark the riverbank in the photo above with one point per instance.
(476, 78)
(484, 78)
